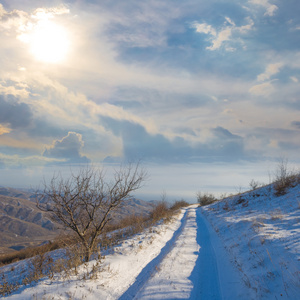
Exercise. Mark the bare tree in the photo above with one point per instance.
(85, 202)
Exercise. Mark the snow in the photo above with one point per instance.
(244, 247)
(261, 233)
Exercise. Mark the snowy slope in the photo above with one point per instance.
(244, 247)
(261, 233)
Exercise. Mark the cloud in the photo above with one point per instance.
(225, 134)
(144, 67)
(4, 129)
(294, 79)
(14, 88)
(11, 20)
(223, 36)
(226, 33)
(14, 113)
(296, 124)
(270, 8)
(21, 161)
(263, 89)
(42, 13)
(266, 88)
(139, 25)
(68, 148)
(20, 19)
(271, 70)
(205, 28)
(140, 144)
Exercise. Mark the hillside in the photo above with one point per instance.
(22, 224)
(243, 247)
(17, 193)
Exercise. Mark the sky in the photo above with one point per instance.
(205, 88)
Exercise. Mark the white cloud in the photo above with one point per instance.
(223, 36)
(205, 28)
(20, 21)
(227, 33)
(270, 8)
(294, 79)
(229, 21)
(13, 19)
(42, 13)
(263, 89)
(271, 70)
(246, 28)
(266, 88)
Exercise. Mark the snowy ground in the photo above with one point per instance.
(261, 233)
(246, 247)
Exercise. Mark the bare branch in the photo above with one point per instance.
(85, 202)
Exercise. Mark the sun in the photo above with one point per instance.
(48, 42)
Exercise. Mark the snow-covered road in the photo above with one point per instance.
(187, 267)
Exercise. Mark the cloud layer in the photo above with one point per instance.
(216, 82)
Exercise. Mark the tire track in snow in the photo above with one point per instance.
(171, 281)
(146, 273)
(205, 276)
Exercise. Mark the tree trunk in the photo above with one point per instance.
(87, 255)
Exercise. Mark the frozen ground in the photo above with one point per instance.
(245, 247)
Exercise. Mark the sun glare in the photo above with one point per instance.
(48, 42)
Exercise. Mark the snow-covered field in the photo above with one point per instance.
(244, 247)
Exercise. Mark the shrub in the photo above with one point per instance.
(179, 204)
(159, 211)
(39, 267)
(284, 178)
(206, 198)
(254, 184)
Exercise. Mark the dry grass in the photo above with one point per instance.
(281, 185)
(276, 214)
(179, 204)
(159, 212)
(6, 259)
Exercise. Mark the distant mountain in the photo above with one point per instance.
(22, 224)
(17, 193)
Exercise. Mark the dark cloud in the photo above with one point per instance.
(14, 113)
(296, 124)
(68, 148)
(225, 134)
(139, 144)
